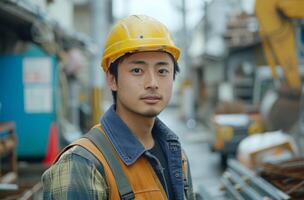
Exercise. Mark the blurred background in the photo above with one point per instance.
(237, 104)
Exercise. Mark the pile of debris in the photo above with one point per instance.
(242, 30)
(241, 183)
(288, 176)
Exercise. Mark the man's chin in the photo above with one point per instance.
(150, 113)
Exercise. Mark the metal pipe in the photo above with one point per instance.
(8, 187)
(101, 17)
(257, 181)
(244, 187)
(230, 188)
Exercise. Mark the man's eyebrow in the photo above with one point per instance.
(138, 62)
(142, 62)
(161, 63)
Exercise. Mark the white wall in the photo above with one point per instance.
(214, 73)
(41, 4)
(82, 19)
(62, 11)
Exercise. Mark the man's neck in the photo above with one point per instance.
(140, 126)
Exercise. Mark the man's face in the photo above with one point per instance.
(144, 83)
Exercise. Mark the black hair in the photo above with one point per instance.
(113, 69)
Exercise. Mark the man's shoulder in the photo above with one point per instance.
(67, 163)
(80, 156)
(75, 161)
(74, 154)
(74, 175)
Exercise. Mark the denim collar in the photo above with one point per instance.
(127, 145)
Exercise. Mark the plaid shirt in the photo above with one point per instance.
(59, 182)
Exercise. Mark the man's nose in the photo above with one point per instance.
(151, 80)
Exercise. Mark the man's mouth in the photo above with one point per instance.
(151, 99)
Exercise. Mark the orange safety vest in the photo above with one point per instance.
(140, 175)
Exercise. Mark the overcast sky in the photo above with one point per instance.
(165, 11)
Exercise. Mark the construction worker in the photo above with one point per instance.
(131, 154)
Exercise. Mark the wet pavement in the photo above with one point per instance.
(204, 164)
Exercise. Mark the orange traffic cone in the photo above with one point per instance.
(53, 145)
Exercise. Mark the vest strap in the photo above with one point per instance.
(103, 144)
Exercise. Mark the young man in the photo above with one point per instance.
(131, 154)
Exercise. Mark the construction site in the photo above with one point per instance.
(237, 105)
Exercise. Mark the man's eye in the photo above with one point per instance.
(163, 71)
(136, 71)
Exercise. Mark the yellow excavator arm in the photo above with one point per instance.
(277, 32)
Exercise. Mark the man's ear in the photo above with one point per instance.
(111, 81)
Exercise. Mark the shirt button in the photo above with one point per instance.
(177, 175)
(173, 148)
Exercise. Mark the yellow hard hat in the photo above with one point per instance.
(137, 33)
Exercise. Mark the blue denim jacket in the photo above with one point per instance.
(130, 148)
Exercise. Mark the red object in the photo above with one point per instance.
(53, 145)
